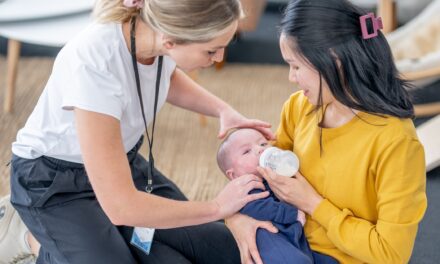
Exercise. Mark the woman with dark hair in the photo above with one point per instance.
(362, 177)
(78, 180)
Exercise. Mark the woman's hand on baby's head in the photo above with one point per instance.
(261, 126)
(267, 133)
(230, 119)
(235, 195)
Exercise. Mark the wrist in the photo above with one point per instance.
(314, 204)
(223, 108)
(228, 220)
(214, 210)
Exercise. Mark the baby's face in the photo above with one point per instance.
(244, 149)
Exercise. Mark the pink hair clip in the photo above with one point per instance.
(134, 3)
(377, 24)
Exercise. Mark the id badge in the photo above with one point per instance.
(142, 238)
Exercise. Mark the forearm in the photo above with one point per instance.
(125, 205)
(381, 242)
(109, 173)
(186, 93)
(147, 210)
(386, 232)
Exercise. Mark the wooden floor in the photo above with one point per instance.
(184, 149)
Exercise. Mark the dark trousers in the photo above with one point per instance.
(56, 202)
(288, 246)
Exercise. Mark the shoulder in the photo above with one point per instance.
(99, 35)
(169, 64)
(392, 128)
(392, 138)
(95, 46)
(402, 127)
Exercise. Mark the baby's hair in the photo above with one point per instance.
(222, 154)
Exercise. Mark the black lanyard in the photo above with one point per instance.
(149, 187)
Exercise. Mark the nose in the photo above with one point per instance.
(218, 56)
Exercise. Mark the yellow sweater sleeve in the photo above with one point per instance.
(400, 183)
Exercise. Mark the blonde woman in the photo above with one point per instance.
(77, 179)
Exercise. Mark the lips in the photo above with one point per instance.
(306, 92)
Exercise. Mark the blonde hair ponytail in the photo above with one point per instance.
(106, 11)
(185, 21)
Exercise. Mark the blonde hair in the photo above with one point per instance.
(184, 21)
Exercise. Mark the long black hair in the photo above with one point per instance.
(326, 32)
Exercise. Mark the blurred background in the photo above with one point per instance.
(252, 78)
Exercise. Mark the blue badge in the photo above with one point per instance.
(142, 238)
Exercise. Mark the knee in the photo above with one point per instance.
(276, 248)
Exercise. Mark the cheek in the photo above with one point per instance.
(247, 165)
(293, 76)
(192, 61)
(184, 57)
(310, 79)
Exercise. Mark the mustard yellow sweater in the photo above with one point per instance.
(371, 174)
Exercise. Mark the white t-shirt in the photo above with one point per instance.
(93, 72)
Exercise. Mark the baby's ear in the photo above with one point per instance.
(230, 174)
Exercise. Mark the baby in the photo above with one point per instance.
(238, 155)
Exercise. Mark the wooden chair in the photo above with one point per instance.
(42, 22)
(416, 47)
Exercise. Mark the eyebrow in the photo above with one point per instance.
(243, 146)
(219, 47)
(248, 144)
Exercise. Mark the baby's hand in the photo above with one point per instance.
(301, 217)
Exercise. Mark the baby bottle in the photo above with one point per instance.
(282, 162)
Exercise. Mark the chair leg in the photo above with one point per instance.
(428, 109)
(14, 47)
(422, 74)
(387, 10)
(203, 120)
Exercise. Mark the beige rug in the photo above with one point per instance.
(184, 148)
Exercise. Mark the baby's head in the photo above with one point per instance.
(239, 153)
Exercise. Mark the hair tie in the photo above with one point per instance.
(376, 22)
(134, 3)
